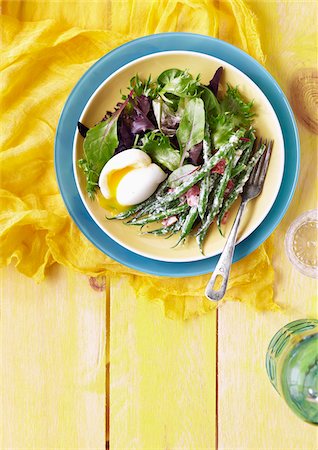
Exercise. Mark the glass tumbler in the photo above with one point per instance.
(292, 367)
(301, 243)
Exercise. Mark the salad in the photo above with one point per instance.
(174, 152)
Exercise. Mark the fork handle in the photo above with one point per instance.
(224, 265)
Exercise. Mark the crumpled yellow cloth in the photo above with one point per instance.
(47, 46)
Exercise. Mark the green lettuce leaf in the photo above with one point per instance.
(138, 87)
(211, 105)
(167, 119)
(191, 128)
(235, 113)
(181, 174)
(99, 146)
(158, 147)
(178, 83)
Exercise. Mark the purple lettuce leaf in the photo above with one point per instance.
(214, 82)
(82, 129)
(195, 154)
(151, 116)
(166, 118)
(140, 121)
(174, 141)
(136, 118)
(125, 136)
(144, 104)
(169, 123)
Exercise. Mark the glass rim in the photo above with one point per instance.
(308, 216)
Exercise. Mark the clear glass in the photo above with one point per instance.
(301, 243)
(292, 367)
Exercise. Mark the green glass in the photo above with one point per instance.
(292, 366)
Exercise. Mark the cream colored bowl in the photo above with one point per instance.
(266, 124)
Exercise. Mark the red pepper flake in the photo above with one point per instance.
(245, 139)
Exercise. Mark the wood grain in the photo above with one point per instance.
(251, 414)
(162, 376)
(162, 372)
(304, 97)
(52, 362)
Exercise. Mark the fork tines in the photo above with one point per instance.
(259, 172)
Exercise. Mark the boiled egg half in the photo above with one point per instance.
(128, 178)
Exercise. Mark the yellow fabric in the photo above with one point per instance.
(47, 46)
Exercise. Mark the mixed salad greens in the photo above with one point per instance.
(202, 137)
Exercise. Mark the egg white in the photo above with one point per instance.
(139, 184)
(132, 157)
(129, 178)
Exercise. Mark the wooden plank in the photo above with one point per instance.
(53, 362)
(162, 376)
(251, 414)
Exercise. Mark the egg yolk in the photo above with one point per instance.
(113, 180)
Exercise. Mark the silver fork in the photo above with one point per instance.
(252, 189)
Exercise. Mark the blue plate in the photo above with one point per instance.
(118, 58)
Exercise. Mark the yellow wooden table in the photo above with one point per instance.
(211, 388)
